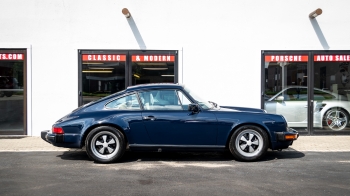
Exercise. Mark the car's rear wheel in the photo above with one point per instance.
(105, 144)
(249, 143)
(336, 119)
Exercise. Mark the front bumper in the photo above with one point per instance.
(61, 140)
(289, 135)
(284, 139)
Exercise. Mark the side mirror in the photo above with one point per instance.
(280, 98)
(194, 108)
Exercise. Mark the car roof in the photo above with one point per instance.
(295, 86)
(154, 85)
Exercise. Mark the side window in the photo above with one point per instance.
(184, 101)
(129, 102)
(320, 95)
(295, 94)
(160, 100)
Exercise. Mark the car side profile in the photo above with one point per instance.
(164, 117)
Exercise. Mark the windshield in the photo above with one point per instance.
(202, 102)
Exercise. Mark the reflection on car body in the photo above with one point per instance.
(331, 110)
(161, 117)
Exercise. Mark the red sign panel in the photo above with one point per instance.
(11, 56)
(286, 58)
(104, 57)
(153, 58)
(327, 58)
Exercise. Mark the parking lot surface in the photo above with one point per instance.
(314, 165)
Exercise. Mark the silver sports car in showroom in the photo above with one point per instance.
(331, 110)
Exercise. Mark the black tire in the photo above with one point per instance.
(335, 119)
(249, 143)
(105, 144)
(2, 94)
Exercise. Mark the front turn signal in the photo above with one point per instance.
(290, 137)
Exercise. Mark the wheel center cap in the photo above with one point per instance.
(249, 143)
(338, 122)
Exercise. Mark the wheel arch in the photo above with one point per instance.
(337, 107)
(86, 133)
(248, 124)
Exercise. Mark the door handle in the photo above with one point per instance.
(149, 118)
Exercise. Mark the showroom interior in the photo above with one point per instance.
(309, 88)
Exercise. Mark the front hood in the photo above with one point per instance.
(243, 109)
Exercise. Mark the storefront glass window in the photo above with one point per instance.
(286, 88)
(11, 92)
(102, 75)
(152, 69)
(331, 92)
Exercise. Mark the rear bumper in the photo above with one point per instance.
(61, 140)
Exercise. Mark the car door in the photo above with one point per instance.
(292, 104)
(168, 122)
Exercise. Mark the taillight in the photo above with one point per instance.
(57, 130)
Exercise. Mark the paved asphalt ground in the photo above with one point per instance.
(313, 165)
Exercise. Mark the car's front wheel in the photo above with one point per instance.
(249, 143)
(105, 144)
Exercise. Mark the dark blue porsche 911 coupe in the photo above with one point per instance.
(161, 117)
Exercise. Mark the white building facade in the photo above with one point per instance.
(56, 55)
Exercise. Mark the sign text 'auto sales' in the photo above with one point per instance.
(321, 58)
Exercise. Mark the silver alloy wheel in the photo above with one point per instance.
(336, 120)
(105, 145)
(249, 143)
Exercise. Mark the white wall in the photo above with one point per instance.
(221, 41)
